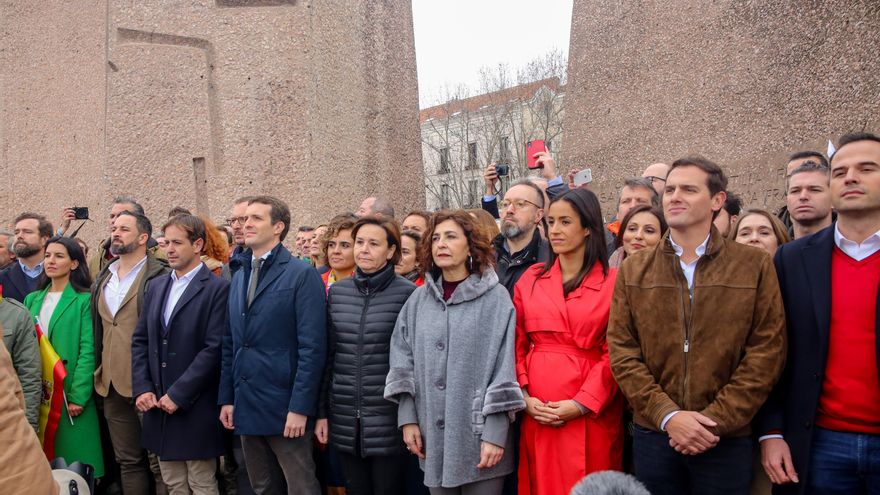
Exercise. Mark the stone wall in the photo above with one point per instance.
(743, 83)
(194, 103)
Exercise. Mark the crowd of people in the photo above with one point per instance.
(525, 347)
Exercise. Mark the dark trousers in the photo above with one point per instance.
(263, 454)
(379, 475)
(124, 423)
(725, 469)
(843, 463)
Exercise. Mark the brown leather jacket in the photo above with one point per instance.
(719, 355)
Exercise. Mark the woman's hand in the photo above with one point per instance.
(74, 410)
(490, 455)
(565, 410)
(322, 430)
(412, 437)
(541, 413)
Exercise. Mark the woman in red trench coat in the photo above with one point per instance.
(573, 424)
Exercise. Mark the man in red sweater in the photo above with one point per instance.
(821, 425)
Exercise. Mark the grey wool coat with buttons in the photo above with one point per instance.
(453, 373)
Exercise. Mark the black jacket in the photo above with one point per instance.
(804, 271)
(510, 267)
(362, 313)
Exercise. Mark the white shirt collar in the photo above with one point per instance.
(263, 257)
(114, 266)
(188, 276)
(701, 249)
(855, 250)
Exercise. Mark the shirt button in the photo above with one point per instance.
(164, 365)
(440, 345)
(164, 341)
(441, 385)
(441, 424)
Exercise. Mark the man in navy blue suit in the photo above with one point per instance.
(820, 429)
(273, 354)
(176, 362)
(20, 277)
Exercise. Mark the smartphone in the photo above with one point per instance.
(502, 169)
(533, 147)
(80, 212)
(585, 176)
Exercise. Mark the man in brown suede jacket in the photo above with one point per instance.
(697, 340)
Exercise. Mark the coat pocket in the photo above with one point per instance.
(478, 420)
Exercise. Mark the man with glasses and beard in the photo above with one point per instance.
(520, 244)
(117, 298)
(31, 233)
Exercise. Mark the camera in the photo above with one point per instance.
(80, 212)
(502, 170)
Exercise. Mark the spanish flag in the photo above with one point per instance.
(52, 401)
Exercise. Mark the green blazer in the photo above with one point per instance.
(70, 332)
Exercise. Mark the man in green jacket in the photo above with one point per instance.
(20, 338)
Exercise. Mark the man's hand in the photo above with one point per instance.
(490, 455)
(322, 430)
(776, 459)
(167, 405)
(565, 410)
(688, 434)
(146, 401)
(295, 426)
(541, 413)
(74, 410)
(226, 417)
(490, 176)
(412, 437)
(67, 216)
(544, 158)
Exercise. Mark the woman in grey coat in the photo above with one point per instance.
(452, 363)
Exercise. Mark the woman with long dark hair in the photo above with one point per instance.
(641, 228)
(61, 302)
(573, 421)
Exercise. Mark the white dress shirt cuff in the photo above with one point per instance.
(768, 437)
(666, 420)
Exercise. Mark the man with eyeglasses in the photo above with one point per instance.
(236, 221)
(520, 244)
(656, 173)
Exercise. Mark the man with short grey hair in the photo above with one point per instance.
(375, 205)
(609, 483)
(635, 191)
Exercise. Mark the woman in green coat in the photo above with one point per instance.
(61, 302)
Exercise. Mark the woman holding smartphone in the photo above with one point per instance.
(573, 421)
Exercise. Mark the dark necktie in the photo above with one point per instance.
(255, 275)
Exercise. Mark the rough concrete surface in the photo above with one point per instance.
(742, 82)
(194, 103)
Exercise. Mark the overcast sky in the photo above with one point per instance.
(455, 38)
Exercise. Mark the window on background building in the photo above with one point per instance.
(444, 161)
(472, 156)
(444, 196)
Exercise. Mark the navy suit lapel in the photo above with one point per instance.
(194, 287)
(817, 267)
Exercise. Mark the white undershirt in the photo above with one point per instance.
(48, 307)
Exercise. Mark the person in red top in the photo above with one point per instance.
(821, 426)
(573, 423)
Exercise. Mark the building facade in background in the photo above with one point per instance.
(462, 136)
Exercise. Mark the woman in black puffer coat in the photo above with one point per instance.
(362, 312)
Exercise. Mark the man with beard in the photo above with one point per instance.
(31, 233)
(519, 245)
(236, 221)
(117, 298)
(103, 255)
(808, 198)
